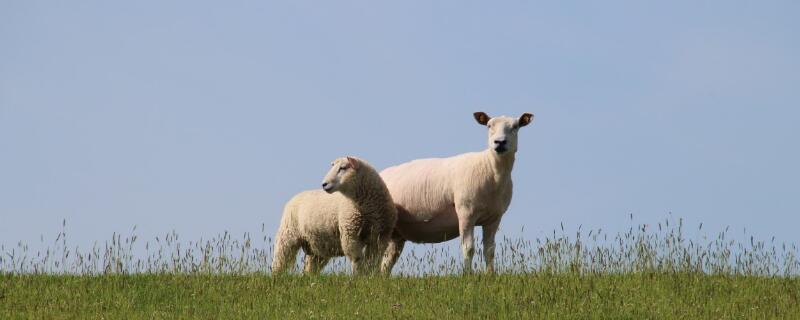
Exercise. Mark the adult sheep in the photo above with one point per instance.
(441, 199)
(353, 217)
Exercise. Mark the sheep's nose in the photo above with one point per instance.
(325, 185)
(500, 143)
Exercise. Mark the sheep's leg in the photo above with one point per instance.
(285, 253)
(465, 229)
(313, 263)
(374, 252)
(372, 256)
(369, 256)
(392, 253)
(489, 232)
(354, 250)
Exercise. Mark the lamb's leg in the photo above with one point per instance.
(354, 250)
(392, 253)
(286, 248)
(489, 232)
(374, 252)
(313, 263)
(465, 228)
(371, 258)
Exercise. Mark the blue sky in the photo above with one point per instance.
(202, 117)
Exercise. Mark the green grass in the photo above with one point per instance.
(543, 295)
(649, 272)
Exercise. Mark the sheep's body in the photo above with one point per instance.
(429, 191)
(356, 222)
(443, 198)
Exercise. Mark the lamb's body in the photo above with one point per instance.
(356, 222)
(312, 217)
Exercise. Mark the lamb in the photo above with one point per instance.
(354, 217)
(441, 199)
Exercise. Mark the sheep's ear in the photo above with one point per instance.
(482, 118)
(354, 163)
(525, 119)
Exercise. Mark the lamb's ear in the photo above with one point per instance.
(354, 163)
(525, 119)
(482, 118)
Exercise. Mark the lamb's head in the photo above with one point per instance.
(503, 130)
(342, 175)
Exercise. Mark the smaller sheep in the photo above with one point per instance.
(356, 222)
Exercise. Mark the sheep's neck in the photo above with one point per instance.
(367, 197)
(501, 164)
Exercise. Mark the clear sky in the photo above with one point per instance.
(203, 117)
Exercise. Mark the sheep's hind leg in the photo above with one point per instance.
(285, 253)
(313, 264)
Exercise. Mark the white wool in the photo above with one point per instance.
(355, 221)
(443, 198)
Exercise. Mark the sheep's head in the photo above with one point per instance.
(503, 130)
(341, 175)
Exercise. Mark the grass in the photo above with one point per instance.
(562, 296)
(646, 272)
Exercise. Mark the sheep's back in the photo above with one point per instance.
(422, 186)
(316, 215)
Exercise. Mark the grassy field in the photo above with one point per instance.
(649, 272)
(553, 296)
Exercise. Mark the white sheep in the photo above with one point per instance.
(356, 222)
(441, 199)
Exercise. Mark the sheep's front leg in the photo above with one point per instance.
(354, 250)
(374, 252)
(489, 232)
(314, 264)
(465, 228)
(393, 251)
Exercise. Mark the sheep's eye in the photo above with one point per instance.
(342, 168)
